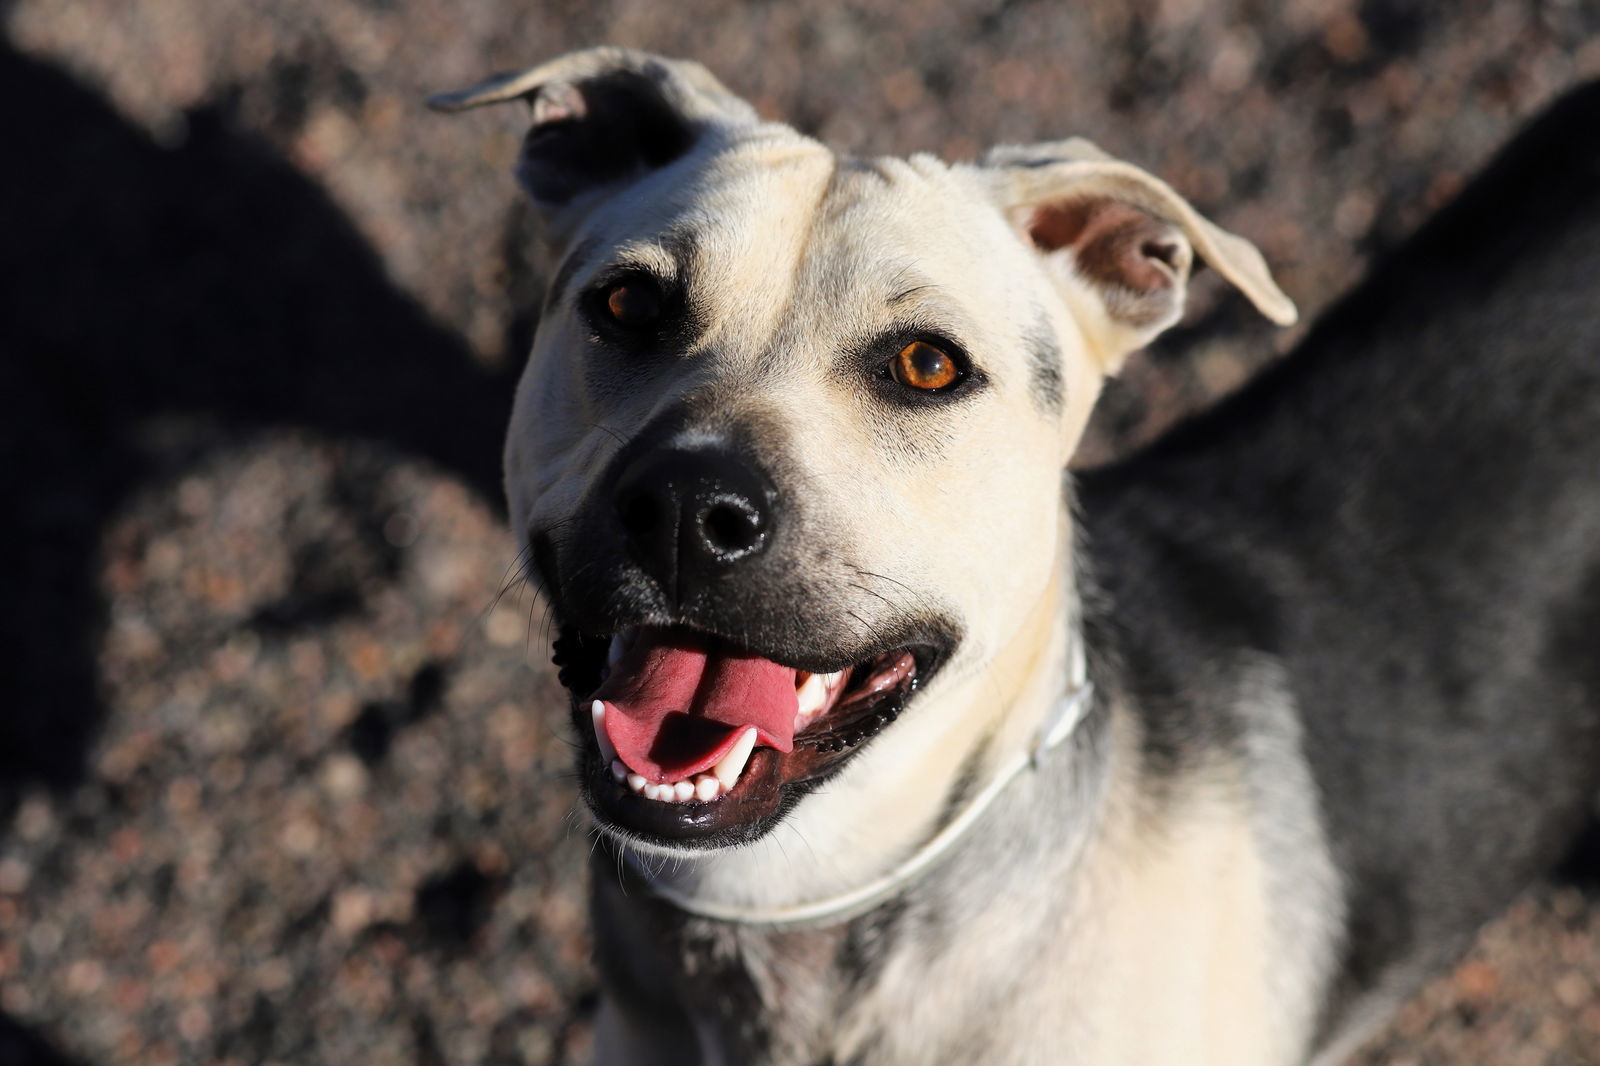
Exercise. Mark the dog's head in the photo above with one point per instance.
(788, 454)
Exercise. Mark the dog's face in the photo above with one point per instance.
(788, 453)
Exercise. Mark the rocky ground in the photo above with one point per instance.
(281, 777)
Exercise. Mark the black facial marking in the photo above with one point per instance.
(1044, 366)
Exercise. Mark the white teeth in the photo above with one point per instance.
(812, 695)
(704, 787)
(597, 711)
(732, 765)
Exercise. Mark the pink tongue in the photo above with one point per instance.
(673, 709)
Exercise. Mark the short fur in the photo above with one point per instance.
(1341, 626)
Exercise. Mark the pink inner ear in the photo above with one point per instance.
(1112, 243)
(558, 103)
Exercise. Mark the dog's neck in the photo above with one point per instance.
(980, 730)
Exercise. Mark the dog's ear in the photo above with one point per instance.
(603, 118)
(1126, 238)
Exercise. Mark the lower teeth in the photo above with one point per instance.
(703, 787)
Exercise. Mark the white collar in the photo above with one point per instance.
(1063, 720)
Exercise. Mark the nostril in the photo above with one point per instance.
(731, 527)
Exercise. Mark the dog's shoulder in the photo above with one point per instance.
(1403, 517)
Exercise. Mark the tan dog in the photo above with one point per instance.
(788, 456)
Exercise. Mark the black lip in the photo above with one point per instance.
(763, 797)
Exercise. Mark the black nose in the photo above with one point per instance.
(691, 516)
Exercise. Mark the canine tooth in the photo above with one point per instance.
(706, 787)
(732, 765)
(597, 712)
(636, 782)
(614, 652)
(683, 791)
(813, 693)
(833, 679)
(618, 771)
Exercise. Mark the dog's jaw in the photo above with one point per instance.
(896, 792)
(724, 773)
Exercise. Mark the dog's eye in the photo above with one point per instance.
(634, 303)
(919, 365)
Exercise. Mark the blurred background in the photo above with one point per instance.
(283, 776)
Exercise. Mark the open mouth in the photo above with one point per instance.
(691, 740)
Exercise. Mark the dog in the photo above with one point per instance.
(903, 746)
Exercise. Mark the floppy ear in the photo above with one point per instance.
(603, 118)
(1120, 242)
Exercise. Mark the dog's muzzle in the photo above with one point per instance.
(717, 672)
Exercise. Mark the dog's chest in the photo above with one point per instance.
(1081, 979)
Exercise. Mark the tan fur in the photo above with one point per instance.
(1148, 952)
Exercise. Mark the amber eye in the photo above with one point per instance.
(634, 303)
(919, 365)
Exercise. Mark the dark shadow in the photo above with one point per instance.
(1580, 867)
(209, 281)
(454, 905)
(20, 1046)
